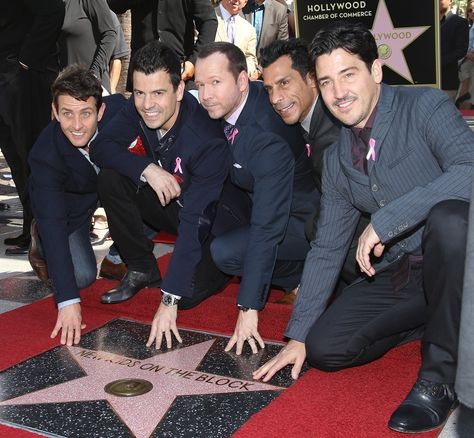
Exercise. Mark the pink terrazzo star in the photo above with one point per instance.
(392, 40)
(172, 374)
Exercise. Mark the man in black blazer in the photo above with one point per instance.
(405, 156)
(173, 22)
(454, 41)
(288, 76)
(175, 187)
(63, 192)
(271, 163)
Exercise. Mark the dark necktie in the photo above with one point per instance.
(228, 129)
(359, 150)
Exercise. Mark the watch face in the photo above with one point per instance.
(167, 300)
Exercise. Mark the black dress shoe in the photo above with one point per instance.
(426, 407)
(21, 240)
(17, 250)
(130, 284)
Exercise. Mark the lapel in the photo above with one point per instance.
(383, 121)
(221, 32)
(317, 119)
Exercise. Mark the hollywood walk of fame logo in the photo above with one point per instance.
(392, 40)
(174, 374)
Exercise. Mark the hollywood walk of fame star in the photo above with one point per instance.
(172, 374)
(392, 40)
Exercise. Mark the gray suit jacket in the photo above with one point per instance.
(424, 155)
(274, 26)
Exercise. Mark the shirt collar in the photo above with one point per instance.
(232, 119)
(306, 123)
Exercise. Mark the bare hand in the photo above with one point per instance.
(70, 323)
(162, 182)
(293, 353)
(246, 329)
(188, 71)
(164, 323)
(368, 241)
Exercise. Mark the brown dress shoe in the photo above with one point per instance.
(36, 261)
(111, 270)
(289, 297)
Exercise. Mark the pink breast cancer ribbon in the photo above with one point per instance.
(177, 167)
(308, 148)
(232, 136)
(371, 153)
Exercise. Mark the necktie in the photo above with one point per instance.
(228, 129)
(359, 150)
(231, 29)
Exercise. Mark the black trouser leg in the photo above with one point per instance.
(127, 207)
(444, 253)
(366, 321)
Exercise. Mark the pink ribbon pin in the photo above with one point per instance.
(371, 153)
(232, 136)
(308, 148)
(177, 167)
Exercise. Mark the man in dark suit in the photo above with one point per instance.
(454, 42)
(175, 187)
(63, 191)
(405, 156)
(288, 76)
(29, 30)
(173, 22)
(271, 163)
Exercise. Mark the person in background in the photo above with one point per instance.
(233, 28)
(172, 22)
(454, 41)
(29, 31)
(121, 51)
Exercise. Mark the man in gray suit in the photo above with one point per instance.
(405, 156)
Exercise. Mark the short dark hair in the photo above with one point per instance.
(156, 56)
(295, 48)
(235, 56)
(79, 82)
(354, 38)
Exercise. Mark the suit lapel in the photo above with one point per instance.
(383, 121)
(221, 30)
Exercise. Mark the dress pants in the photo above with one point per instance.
(374, 315)
(128, 208)
(229, 251)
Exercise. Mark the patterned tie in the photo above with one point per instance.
(228, 129)
(231, 29)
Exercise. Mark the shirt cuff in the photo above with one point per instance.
(63, 304)
(173, 295)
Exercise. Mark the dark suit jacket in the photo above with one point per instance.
(424, 155)
(454, 41)
(29, 30)
(323, 131)
(170, 21)
(63, 191)
(271, 163)
(198, 144)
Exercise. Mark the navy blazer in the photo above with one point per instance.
(63, 191)
(194, 150)
(424, 155)
(271, 163)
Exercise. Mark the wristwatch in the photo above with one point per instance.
(169, 300)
